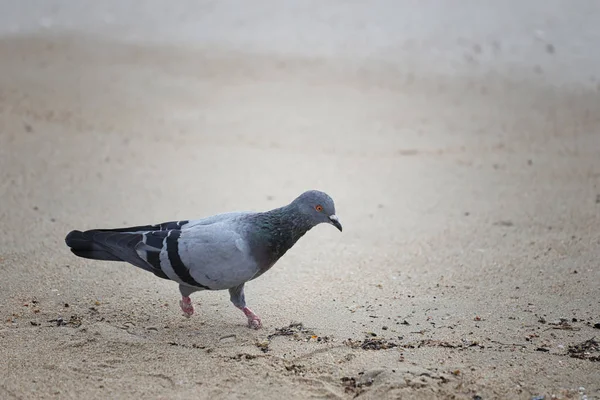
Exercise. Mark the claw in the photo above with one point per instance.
(253, 319)
(254, 323)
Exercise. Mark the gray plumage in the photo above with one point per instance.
(220, 252)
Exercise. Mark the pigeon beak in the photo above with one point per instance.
(335, 221)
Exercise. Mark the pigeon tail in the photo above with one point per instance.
(84, 246)
(107, 245)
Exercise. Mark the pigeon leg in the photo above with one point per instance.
(186, 306)
(186, 303)
(238, 299)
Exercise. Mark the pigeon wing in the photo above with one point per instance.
(213, 256)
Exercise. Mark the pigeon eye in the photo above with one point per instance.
(319, 208)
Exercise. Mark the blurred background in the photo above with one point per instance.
(193, 98)
(551, 40)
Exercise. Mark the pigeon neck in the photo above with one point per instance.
(280, 229)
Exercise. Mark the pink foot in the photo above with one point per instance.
(186, 306)
(253, 319)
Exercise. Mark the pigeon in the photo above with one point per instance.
(219, 252)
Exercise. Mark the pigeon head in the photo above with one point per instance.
(317, 207)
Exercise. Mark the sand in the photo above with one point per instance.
(470, 208)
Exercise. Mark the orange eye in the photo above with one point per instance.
(319, 208)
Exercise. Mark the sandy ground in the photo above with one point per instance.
(470, 206)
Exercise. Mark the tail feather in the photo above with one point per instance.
(80, 241)
(96, 255)
(82, 244)
(117, 245)
(106, 246)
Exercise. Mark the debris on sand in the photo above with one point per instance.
(356, 385)
(244, 356)
(351, 385)
(297, 369)
(463, 344)
(585, 349)
(293, 329)
(74, 321)
(564, 324)
(228, 338)
(263, 345)
(370, 343)
(299, 332)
